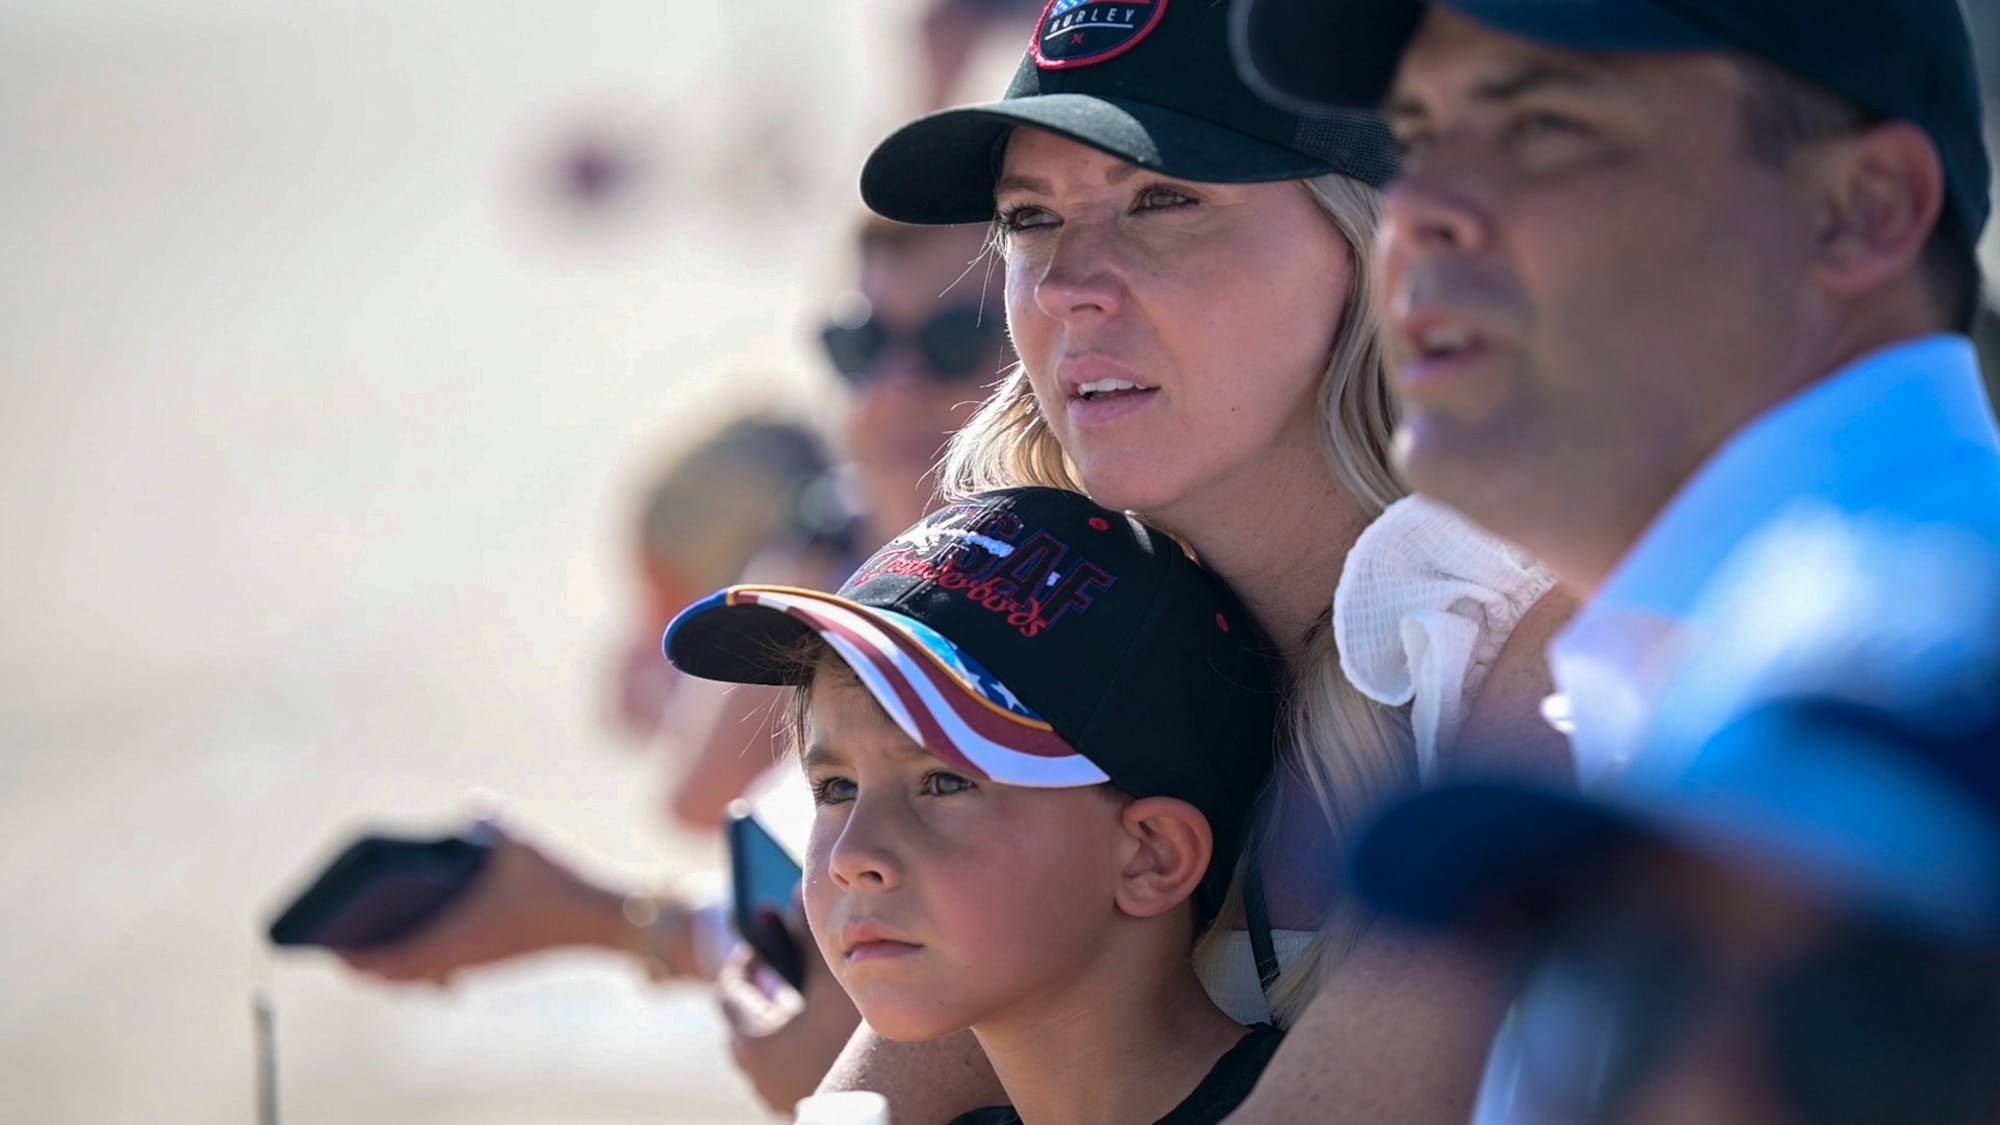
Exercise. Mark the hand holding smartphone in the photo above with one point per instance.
(765, 880)
(382, 889)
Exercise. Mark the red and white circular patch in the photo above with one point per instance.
(1081, 32)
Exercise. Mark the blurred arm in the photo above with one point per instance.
(728, 732)
(1399, 1034)
(783, 1041)
(733, 741)
(1504, 732)
(524, 902)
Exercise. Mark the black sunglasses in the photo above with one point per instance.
(1875, 1027)
(956, 344)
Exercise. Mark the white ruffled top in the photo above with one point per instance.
(1424, 605)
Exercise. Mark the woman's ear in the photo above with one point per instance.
(1172, 846)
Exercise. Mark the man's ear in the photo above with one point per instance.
(1880, 193)
(1171, 847)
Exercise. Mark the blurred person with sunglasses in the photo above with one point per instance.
(915, 351)
(1793, 918)
(918, 342)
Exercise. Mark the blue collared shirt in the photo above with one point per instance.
(1907, 432)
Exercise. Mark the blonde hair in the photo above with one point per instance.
(1352, 753)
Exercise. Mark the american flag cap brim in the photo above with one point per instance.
(934, 692)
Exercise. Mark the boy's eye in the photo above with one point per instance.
(832, 790)
(944, 783)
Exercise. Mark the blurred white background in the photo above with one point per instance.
(335, 337)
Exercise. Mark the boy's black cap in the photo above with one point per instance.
(1897, 59)
(1031, 637)
(1149, 81)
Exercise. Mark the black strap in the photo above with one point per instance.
(1258, 917)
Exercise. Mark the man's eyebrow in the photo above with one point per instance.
(1530, 76)
(1525, 77)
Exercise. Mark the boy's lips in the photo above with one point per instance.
(872, 941)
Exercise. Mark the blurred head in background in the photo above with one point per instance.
(917, 345)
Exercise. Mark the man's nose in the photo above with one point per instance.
(1436, 206)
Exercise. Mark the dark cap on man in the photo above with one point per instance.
(1896, 59)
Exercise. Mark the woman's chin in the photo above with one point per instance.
(1132, 488)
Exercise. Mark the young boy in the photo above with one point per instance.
(1034, 730)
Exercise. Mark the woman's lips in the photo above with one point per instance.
(1107, 407)
(1100, 390)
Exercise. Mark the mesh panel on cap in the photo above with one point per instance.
(1359, 145)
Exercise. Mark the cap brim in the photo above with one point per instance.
(934, 692)
(941, 169)
(1314, 55)
(1820, 806)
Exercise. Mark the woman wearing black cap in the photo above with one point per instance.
(1186, 287)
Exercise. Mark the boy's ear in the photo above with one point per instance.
(1171, 847)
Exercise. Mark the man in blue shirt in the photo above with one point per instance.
(1655, 271)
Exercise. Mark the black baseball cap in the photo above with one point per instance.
(1896, 59)
(1030, 637)
(1149, 81)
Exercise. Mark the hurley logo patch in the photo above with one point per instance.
(1081, 32)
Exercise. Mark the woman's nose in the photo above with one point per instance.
(1080, 278)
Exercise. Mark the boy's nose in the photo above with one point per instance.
(863, 857)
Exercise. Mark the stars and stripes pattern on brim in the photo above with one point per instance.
(960, 719)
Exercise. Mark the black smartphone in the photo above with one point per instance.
(765, 880)
(381, 889)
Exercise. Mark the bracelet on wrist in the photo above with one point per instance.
(662, 939)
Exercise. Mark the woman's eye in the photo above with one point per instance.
(832, 790)
(1161, 198)
(1024, 217)
(942, 783)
